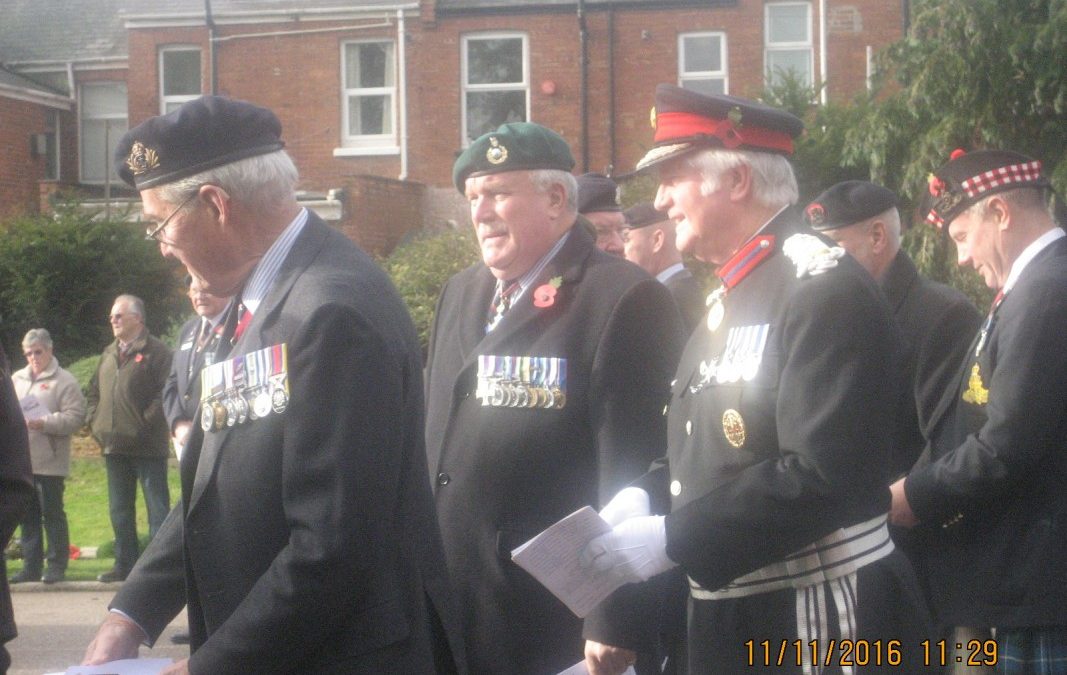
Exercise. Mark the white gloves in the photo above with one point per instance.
(636, 549)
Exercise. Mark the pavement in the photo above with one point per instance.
(56, 623)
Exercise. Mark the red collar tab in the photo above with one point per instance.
(682, 125)
(745, 260)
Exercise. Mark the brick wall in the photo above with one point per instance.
(380, 212)
(20, 170)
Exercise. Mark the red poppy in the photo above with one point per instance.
(44, 385)
(544, 295)
(937, 186)
(139, 357)
(75, 552)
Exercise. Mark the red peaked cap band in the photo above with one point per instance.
(678, 126)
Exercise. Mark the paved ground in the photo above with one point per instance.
(55, 626)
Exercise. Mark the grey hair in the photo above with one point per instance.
(261, 182)
(136, 304)
(37, 336)
(891, 218)
(773, 182)
(544, 179)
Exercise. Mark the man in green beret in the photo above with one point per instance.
(548, 371)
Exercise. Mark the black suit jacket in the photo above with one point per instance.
(690, 296)
(505, 474)
(306, 540)
(990, 495)
(936, 324)
(181, 394)
(16, 488)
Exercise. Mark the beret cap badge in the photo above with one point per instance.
(496, 154)
(141, 159)
(816, 214)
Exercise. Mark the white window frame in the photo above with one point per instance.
(183, 98)
(114, 137)
(685, 75)
(368, 144)
(769, 47)
(466, 87)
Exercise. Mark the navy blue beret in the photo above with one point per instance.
(643, 214)
(597, 192)
(848, 203)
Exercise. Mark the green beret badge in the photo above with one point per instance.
(496, 154)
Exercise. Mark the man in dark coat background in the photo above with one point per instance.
(548, 371)
(305, 541)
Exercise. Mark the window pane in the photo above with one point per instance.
(716, 86)
(95, 156)
(369, 65)
(487, 110)
(103, 99)
(370, 115)
(787, 23)
(702, 53)
(496, 61)
(796, 60)
(181, 73)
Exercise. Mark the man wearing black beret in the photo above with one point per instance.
(549, 366)
(779, 425)
(988, 497)
(305, 540)
(649, 243)
(936, 321)
(598, 201)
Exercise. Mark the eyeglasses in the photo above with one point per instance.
(118, 317)
(33, 352)
(153, 233)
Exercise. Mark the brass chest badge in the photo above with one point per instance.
(976, 392)
(733, 426)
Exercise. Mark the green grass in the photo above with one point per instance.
(85, 499)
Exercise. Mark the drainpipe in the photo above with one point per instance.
(402, 104)
(611, 91)
(822, 52)
(209, 20)
(583, 84)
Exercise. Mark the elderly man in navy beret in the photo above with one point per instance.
(598, 201)
(936, 321)
(774, 498)
(988, 499)
(305, 540)
(549, 366)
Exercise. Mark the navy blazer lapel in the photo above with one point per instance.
(304, 250)
(474, 310)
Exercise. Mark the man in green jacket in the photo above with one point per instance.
(126, 418)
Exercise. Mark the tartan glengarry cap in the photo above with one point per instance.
(848, 203)
(597, 192)
(516, 146)
(970, 177)
(685, 121)
(202, 134)
(643, 214)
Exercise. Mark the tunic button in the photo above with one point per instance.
(689, 427)
(443, 478)
(676, 488)
(466, 394)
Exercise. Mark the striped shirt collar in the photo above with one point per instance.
(527, 280)
(266, 271)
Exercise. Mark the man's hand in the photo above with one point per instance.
(603, 659)
(635, 550)
(117, 638)
(628, 503)
(35, 425)
(179, 668)
(181, 431)
(900, 512)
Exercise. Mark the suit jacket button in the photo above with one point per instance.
(689, 428)
(186, 397)
(676, 487)
(443, 478)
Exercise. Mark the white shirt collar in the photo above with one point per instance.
(262, 278)
(666, 274)
(1029, 253)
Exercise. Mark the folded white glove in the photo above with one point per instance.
(635, 550)
(628, 503)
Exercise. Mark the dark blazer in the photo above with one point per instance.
(503, 474)
(181, 394)
(991, 493)
(690, 296)
(16, 489)
(936, 324)
(306, 540)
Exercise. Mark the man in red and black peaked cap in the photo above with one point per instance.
(989, 495)
(779, 428)
(936, 321)
(305, 540)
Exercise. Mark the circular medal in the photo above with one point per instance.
(261, 404)
(715, 315)
(231, 412)
(207, 417)
(279, 400)
(219, 416)
(523, 396)
(242, 409)
(733, 425)
(548, 400)
(496, 394)
(560, 398)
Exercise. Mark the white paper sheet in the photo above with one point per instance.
(122, 667)
(32, 408)
(552, 558)
(580, 669)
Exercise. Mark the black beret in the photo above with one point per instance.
(202, 134)
(643, 215)
(848, 203)
(597, 192)
(517, 146)
(685, 120)
(970, 177)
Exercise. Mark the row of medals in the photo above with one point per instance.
(516, 394)
(234, 408)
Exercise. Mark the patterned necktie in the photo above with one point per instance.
(505, 295)
(204, 335)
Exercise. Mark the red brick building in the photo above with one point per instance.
(377, 97)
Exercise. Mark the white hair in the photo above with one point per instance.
(136, 304)
(261, 182)
(544, 179)
(773, 182)
(38, 336)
